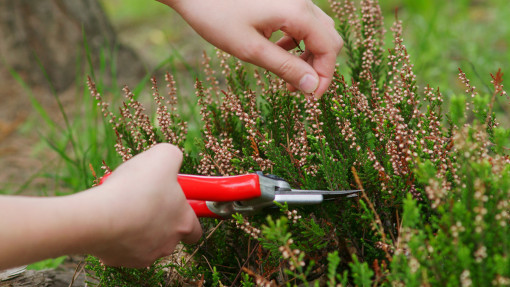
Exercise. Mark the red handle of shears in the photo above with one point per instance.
(199, 189)
(220, 188)
(201, 209)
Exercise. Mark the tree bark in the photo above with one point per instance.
(53, 34)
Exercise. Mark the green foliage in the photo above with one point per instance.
(457, 108)
(467, 242)
(333, 276)
(434, 202)
(120, 276)
(247, 281)
(81, 144)
(361, 273)
(501, 140)
(276, 232)
(215, 277)
(51, 263)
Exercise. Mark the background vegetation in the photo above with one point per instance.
(422, 217)
(440, 36)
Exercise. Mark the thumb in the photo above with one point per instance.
(194, 230)
(287, 66)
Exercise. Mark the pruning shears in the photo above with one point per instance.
(221, 196)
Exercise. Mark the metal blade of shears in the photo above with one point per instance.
(312, 192)
(304, 197)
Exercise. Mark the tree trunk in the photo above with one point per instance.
(53, 34)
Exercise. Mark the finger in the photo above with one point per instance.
(325, 67)
(324, 44)
(291, 88)
(287, 43)
(325, 71)
(195, 230)
(324, 64)
(272, 57)
(307, 57)
(324, 18)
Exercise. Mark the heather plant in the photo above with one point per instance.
(434, 202)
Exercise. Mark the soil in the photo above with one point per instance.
(22, 155)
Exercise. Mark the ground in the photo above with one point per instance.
(70, 273)
(22, 155)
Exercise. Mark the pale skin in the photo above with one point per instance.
(137, 215)
(242, 28)
(140, 213)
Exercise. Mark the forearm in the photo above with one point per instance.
(35, 228)
(138, 215)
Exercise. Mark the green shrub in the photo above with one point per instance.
(434, 206)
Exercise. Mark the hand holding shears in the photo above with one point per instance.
(222, 196)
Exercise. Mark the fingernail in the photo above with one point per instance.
(308, 83)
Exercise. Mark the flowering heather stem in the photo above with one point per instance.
(497, 81)
(378, 222)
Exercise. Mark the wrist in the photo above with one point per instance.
(94, 222)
